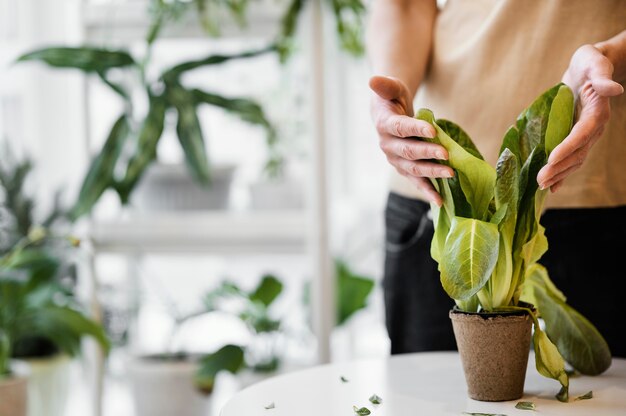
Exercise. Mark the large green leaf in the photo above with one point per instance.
(228, 358)
(460, 136)
(533, 122)
(247, 109)
(477, 177)
(189, 132)
(85, 58)
(267, 291)
(560, 119)
(352, 291)
(511, 142)
(146, 148)
(100, 174)
(469, 256)
(577, 339)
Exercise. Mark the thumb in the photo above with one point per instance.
(389, 88)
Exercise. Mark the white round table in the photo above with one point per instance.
(419, 384)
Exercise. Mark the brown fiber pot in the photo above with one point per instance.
(494, 352)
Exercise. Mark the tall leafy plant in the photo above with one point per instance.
(131, 145)
(488, 238)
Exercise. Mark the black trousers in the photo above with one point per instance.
(586, 261)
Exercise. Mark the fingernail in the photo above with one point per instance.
(426, 132)
(447, 174)
(440, 155)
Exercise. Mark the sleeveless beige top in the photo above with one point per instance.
(492, 58)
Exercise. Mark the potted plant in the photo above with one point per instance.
(38, 256)
(177, 382)
(131, 145)
(487, 243)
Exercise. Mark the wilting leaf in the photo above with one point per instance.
(525, 406)
(549, 362)
(586, 396)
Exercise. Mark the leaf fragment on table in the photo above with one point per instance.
(344, 380)
(376, 399)
(363, 411)
(525, 406)
(586, 396)
(270, 406)
(483, 414)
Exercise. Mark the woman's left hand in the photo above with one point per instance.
(590, 76)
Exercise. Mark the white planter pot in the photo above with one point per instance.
(276, 195)
(166, 388)
(13, 391)
(171, 188)
(48, 385)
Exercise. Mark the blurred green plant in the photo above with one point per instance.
(129, 150)
(39, 315)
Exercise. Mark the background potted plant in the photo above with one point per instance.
(131, 145)
(487, 242)
(40, 317)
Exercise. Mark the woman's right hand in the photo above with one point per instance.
(392, 113)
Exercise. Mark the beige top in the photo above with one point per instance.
(492, 58)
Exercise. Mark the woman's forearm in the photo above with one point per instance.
(615, 50)
(399, 39)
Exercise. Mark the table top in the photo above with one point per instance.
(419, 384)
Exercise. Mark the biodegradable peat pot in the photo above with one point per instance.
(494, 350)
(14, 391)
(162, 385)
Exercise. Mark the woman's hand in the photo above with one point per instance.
(589, 75)
(392, 113)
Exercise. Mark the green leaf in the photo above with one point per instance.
(175, 72)
(525, 406)
(586, 396)
(363, 411)
(560, 119)
(580, 343)
(477, 178)
(511, 142)
(459, 135)
(375, 399)
(146, 148)
(469, 257)
(189, 132)
(85, 58)
(267, 291)
(482, 414)
(65, 327)
(228, 358)
(549, 362)
(533, 122)
(40, 265)
(352, 291)
(288, 26)
(100, 174)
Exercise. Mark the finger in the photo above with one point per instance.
(581, 134)
(561, 176)
(392, 89)
(427, 188)
(606, 87)
(421, 169)
(405, 126)
(413, 149)
(556, 186)
(549, 171)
